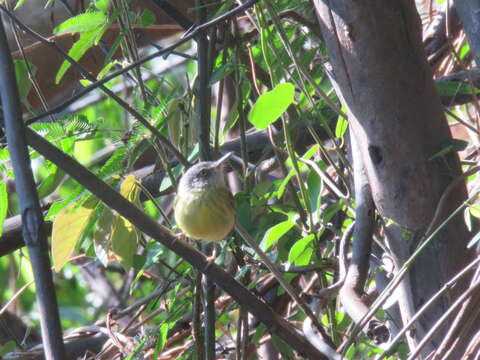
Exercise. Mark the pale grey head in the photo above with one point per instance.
(204, 175)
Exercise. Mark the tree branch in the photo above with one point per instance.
(32, 217)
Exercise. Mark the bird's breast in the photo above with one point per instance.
(207, 215)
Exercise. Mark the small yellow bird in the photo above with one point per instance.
(204, 207)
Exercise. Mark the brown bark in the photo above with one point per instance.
(396, 116)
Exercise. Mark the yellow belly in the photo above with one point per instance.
(206, 215)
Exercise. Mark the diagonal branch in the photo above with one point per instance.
(150, 227)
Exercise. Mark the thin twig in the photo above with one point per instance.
(448, 285)
(100, 83)
(446, 315)
(293, 294)
(188, 36)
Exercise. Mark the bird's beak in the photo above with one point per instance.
(222, 160)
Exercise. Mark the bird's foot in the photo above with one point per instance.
(179, 237)
(211, 259)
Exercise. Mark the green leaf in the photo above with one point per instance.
(114, 164)
(222, 72)
(300, 253)
(124, 237)
(68, 226)
(283, 185)
(147, 18)
(23, 79)
(3, 205)
(85, 82)
(448, 146)
(282, 348)
(19, 3)
(464, 50)
(315, 184)
(60, 205)
(161, 339)
(259, 332)
(102, 5)
(271, 105)
(274, 234)
(114, 47)
(50, 183)
(136, 351)
(308, 154)
(452, 88)
(82, 23)
(81, 46)
(7, 348)
(106, 69)
(475, 210)
(341, 128)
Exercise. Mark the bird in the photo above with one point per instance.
(204, 207)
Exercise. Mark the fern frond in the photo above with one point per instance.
(114, 164)
(49, 130)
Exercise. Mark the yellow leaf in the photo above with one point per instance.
(124, 240)
(124, 235)
(67, 228)
(475, 210)
(128, 185)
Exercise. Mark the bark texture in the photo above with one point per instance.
(376, 51)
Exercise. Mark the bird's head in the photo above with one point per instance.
(204, 175)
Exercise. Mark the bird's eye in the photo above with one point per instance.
(203, 172)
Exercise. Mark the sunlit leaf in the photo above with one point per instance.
(341, 127)
(124, 236)
(474, 210)
(161, 339)
(123, 240)
(300, 253)
(82, 23)
(19, 3)
(60, 205)
(275, 233)
(271, 105)
(67, 228)
(81, 46)
(103, 5)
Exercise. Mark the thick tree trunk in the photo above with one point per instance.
(396, 116)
